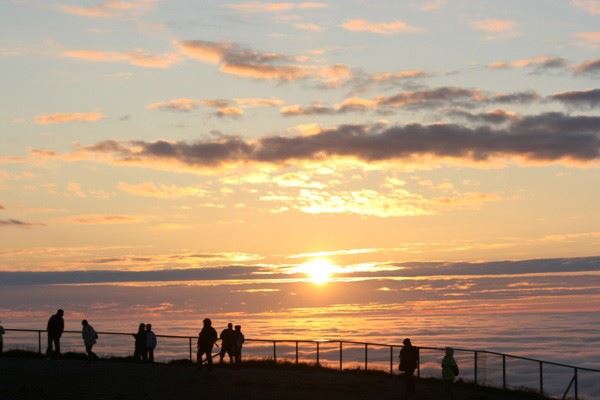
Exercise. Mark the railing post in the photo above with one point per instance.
(318, 355)
(296, 352)
(576, 385)
(190, 347)
(391, 360)
(503, 371)
(274, 351)
(541, 378)
(475, 367)
(366, 356)
(341, 356)
(40, 342)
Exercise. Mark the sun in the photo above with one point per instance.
(319, 271)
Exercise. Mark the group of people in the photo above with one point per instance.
(409, 359)
(145, 343)
(232, 340)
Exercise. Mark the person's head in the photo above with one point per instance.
(238, 328)
(60, 312)
(148, 327)
(230, 325)
(449, 351)
(84, 322)
(141, 327)
(207, 322)
(407, 342)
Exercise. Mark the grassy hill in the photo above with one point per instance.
(28, 376)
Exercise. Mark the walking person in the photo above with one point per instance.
(449, 372)
(206, 340)
(239, 342)
(55, 329)
(227, 343)
(1, 339)
(150, 343)
(89, 335)
(409, 358)
(140, 343)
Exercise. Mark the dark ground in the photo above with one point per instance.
(38, 378)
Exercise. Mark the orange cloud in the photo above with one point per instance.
(150, 189)
(61, 118)
(588, 38)
(139, 58)
(109, 8)
(590, 6)
(496, 28)
(102, 219)
(261, 7)
(541, 62)
(382, 28)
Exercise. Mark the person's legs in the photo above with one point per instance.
(151, 355)
(410, 383)
(222, 354)
(57, 346)
(49, 348)
(209, 359)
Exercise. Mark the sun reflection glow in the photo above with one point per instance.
(318, 270)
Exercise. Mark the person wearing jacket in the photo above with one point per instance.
(150, 343)
(206, 340)
(449, 371)
(55, 329)
(89, 335)
(409, 359)
(140, 343)
(239, 342)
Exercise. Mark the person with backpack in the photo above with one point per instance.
(409, 360)
(206, 340)
(89, 335)
(449, 371)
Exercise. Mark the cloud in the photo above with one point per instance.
(308, 27)
(150, 189)
(138, 58)
(61, 118)
(432, 5)
(109, 8)
(101, 219)
(222, 108)
(364, 81)
(588, 38)
(543, 138)
(75, 190)
(591, 67)
(17, 223)
(428, 99)
(586, 98)
(496, 28)
(2, 207)
(541, 63)
(382, 28)
(264, 7)
(497, 116)
(590, 6)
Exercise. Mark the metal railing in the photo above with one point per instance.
(344, 354)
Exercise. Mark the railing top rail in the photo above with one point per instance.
(350, 342)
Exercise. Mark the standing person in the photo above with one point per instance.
(449, 371)
(1, 339)
(89, 335)
(239, 342)
(150, 343)
(140, 343)
(409, 358)
(227, 343)
(206, 340)
(55, 329)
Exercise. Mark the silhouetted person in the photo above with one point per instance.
(89, 335)
(150, 343)
(409, 358)
(140, 343)
(1, 339)
(55, 329)
(206, 340)
(227, 343)
(239, 342)
(449, 371)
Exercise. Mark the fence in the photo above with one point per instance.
(478, 366)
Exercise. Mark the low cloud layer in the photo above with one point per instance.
(16, 223)
(221, 107)
(548, 137)
(382, 28)
(61, 118)
(581, 98)
(110, 8)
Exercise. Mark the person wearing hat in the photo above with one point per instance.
(409, 359)
(206, 340)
